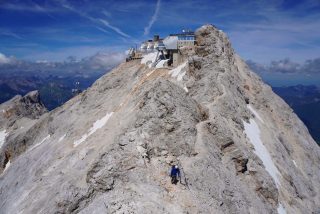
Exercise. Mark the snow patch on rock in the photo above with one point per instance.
(3, 135)
(161, 63)
(149, 59)
(38, 144)
(62, 137)
(186, 89)
(294, 163)
(7, 166)
(281, 209)
(256, 114)
(178, 72)
(253, 133)
(96, 125)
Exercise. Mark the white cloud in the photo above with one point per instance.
(79, 52)
(278, 35)
(4, 59)
(153, 19)
(98, 62)
(286, 66)
(106, 59)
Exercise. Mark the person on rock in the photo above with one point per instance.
(175, 174)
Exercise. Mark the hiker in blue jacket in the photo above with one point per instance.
(175, 174)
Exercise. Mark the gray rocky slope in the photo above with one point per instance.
(108, 150)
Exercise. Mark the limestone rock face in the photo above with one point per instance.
(29, 106)
(18, 115)
(240, 147)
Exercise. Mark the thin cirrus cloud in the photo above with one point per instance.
(8, 33)
(117, 30)
(96, 21)
(106, 13)
(153, 18)
(29, 6)
(102, 30)
(22, 7)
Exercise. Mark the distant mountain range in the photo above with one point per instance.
(57, 82)
(305, 101)
(54, 90)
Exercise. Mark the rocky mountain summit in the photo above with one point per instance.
(240, 148)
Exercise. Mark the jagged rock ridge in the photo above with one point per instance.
(18, 116)
(240, 147)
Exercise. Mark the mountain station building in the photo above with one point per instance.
(167, 48)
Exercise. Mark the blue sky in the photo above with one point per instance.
(260, 30)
